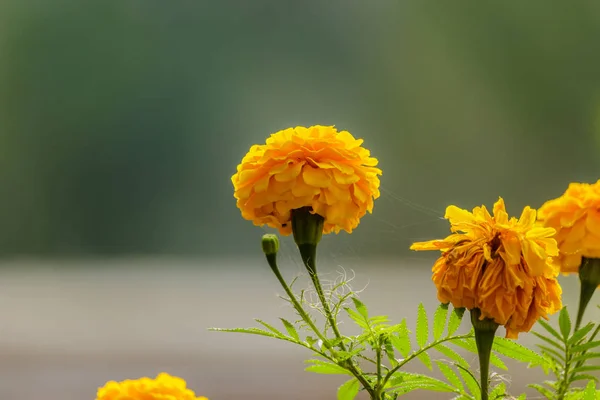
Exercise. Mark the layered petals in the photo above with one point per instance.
(316, 167)
(163, 387)
(501, 265)
(576, 218)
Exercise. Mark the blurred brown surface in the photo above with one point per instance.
(65, 331)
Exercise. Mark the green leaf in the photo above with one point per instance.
(389, 351)
(543, 391)
(586, 368)
(455, 320)
(324, 367)
(408, 382)
(469, 344)
(546, 339)
(550, 329)
(358, 319)
(582, 377)
(580, 334)
(348, 390)
(270, 327)
(360, 307)
(522, 397)
(290, 329)
(401, 342)
(450, 375)
(470, 381)
(585, 356)
(585, 346)
(439, 321)
(453, 355)
(552, 353)
(516, 351)
(590, 391)
(564, 322)
(422, 332)
(498, 392)
(425, 359)
(251, 331)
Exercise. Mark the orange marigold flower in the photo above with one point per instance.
(499, 265)
(576, 217)
(316, 167)
(163, 387)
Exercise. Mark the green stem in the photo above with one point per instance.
(585, 295)
(378, 387)
(485, 332)
(308, 252)
(272, 260)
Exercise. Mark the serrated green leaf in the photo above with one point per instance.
(543, 391)
(439, 321)
(324, 367)
(585, 346)
(546, 339)
(470, 381)
(516, 351)
(425, 359)
(409, 382)
(580, 334)
(586, 368)
(389, 351)
(470, 345)
(582, 377)
(422, 332)
(585, 356)
(360, 307)
(453, 355)
(522, 397)
(450, 375)
(564, 322)
(271, 328)
(290, 329)
(550, 329)
(498, 392)
(251, 331)
(590, 391)
(401, 341)
(552, 353)
(348, 390)
(358, 319)
(455, 319)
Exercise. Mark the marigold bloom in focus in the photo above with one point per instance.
(316, 167)
(163, 387)
(500, 265)
(576, 217)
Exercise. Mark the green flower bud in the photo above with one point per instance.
(270, 244)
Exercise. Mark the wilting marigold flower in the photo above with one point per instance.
(576, 217)
(316, 167)
(500, 265)
(163, 387)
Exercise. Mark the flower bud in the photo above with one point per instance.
(270, 244)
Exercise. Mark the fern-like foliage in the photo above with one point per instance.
(568, 353)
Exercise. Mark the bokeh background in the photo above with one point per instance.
(121, 123)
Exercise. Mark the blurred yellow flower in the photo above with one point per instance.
(576, 217)
(163, 387)
(500, 265)
(316, 167)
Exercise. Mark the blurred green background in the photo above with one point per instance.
(121, 122)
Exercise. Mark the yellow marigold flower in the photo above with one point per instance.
(316, 167)
(499, 265)
(163, 387)
(576, 217)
